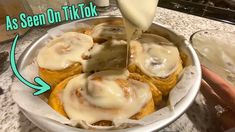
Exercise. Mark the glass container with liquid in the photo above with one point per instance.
(216, 51)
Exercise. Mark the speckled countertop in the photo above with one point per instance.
(196, 118)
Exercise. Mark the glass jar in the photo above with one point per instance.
(216, 51)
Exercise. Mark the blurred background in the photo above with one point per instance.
(222, 10)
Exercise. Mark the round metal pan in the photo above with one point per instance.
(184, 46)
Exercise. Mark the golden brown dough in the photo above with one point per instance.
(54, 98)
(157, 95)
(55, 77)
(57, 105)
(163, 84)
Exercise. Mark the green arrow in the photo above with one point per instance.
(42, 86)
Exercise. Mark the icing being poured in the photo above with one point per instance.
(138, 16)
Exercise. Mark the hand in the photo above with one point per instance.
(218, 92)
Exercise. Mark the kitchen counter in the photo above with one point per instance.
(196, 118)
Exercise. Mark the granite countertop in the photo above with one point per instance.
(196, 118)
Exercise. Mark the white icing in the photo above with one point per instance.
(155, 56)
(106, 93)
(104, 98)
(64, 51)
(140, 13)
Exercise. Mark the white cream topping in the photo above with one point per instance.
(64, 51)
(102, 98)
(106, 93)
(155, 56)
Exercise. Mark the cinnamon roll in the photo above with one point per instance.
(157, 59)
(62, 57)
(103, 97)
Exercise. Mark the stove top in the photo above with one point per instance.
(221, 10)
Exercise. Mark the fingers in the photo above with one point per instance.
(211, 97)
(223, 89)
(226, 118)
